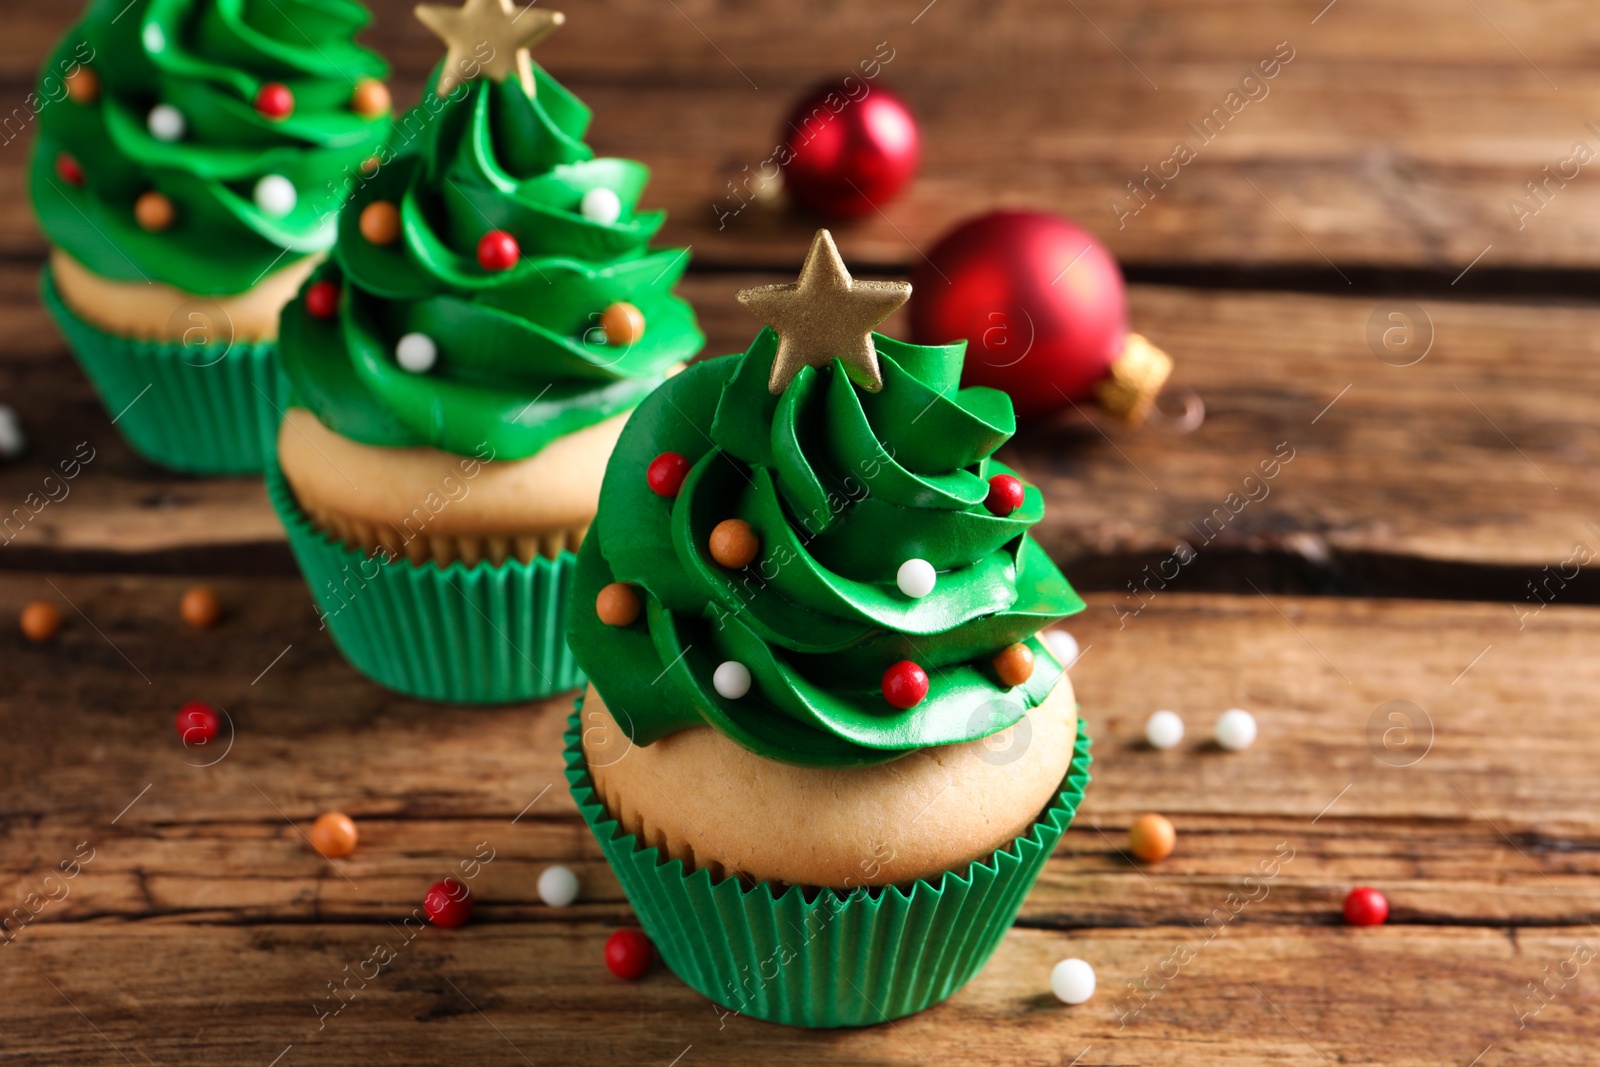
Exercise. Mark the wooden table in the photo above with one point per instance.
(1394, 561)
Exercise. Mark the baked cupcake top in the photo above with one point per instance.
(492, 288)
(203, 143)
(811, 547)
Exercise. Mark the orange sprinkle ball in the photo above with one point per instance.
(334, 834)
(380, 222)
(1014, 665)
(200, 607)
(733, 544)
(41, 621)
(153, 211)
(371, 99)
(83, 86)
(623, 324)
(618, 604)
(370, 165)
(1151, 837)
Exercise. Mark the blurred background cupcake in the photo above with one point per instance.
(823, 747)
(187, 179)
(460, 371)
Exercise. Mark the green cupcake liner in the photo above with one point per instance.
(469, 635)
(825, 958)
(199, 409)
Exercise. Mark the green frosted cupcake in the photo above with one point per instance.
(823, 746)
(191, 158)
(460, 371)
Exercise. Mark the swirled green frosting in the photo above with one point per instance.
(207, 59)
(522, 359)
(841, 486)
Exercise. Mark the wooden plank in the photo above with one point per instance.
(1393, 137)
(1473, 454)
(1321, 670)
(537, 993)
(1486, 452)
(1454, 871)
(1487, 826)
(790, 44)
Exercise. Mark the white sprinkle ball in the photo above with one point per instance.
(276, 195)
(558, 886)
(1236, 730)
(1072, 981)
(167, 123)
(1164, 729)
(416, 353)
(1063, 645)
(732, 680)
(916, 578)
(602, 206)
(12, 442)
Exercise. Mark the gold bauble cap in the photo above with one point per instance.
(1130, 389)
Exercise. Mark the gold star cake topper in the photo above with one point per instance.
(824, 316)
(497, 24)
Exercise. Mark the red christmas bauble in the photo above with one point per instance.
(905, 684)
(629, 954)
(275, 100)
(498, 250)
(448, 903)
(666, 474)
(848, 151)
(322, 300)
(1039, 300)
(1365, 906)
(1005, 495)
(197, 723)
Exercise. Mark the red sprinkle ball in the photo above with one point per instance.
(498, 250)
(1365, 906)
(68, 169)
(1005, 495)
(905, 684)
(666, 474)
(448, 903)
(629, 954)
(275, 101)
(197, 723)
(322, 300)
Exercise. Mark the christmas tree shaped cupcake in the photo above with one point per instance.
(823, 747)
(462, 367)
(188, 177)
